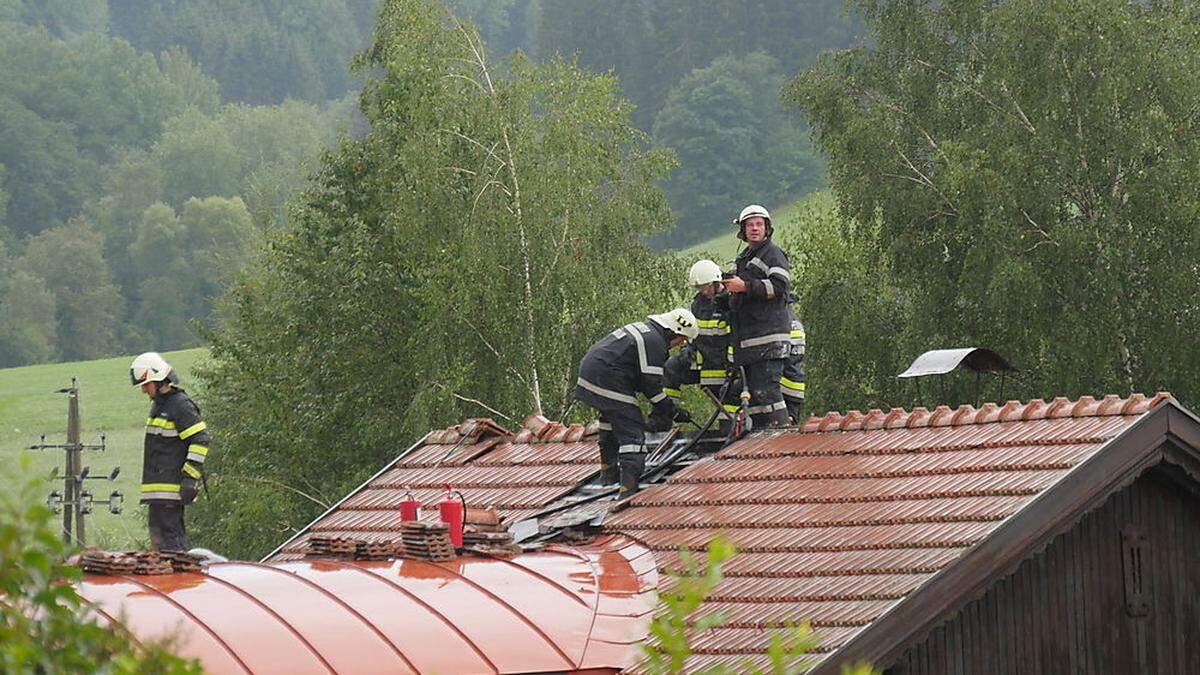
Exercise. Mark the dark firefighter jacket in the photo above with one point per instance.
(626, 361)
(762, 325)
(711, 348)
(176, 447)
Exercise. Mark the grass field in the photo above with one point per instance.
(723, 248)
(30, 407)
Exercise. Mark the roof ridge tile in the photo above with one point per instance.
(852, 421)
(963, 415)
(874, 420)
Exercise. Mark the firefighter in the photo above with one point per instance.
(623, 363)
(705, 361)
(791, 385)
(762, 326)
(174, 452)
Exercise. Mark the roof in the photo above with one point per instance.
(515, 473)
(560, 609)
(838, 523)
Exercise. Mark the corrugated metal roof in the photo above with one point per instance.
(561, 609)
(516, 473)
(842, 519)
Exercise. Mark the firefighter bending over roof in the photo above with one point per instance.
(706, 360)
(762, 326)
(623, 363)
(174, 452)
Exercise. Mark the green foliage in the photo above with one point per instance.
(62, 18)
(261, 51)
(1030, 166)
(69, 263)
(67, 108)
(45, 627)
(468, 249)
(735, 144)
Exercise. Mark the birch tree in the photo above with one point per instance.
(455, 262)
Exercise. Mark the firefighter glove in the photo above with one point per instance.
(188, 490)
(659, 422)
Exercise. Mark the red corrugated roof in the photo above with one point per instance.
(841, 520)
(560, 609)
(515, 473)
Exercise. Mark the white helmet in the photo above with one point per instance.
(704, 272)
(679, 321)
(149, 367)
(750, 212)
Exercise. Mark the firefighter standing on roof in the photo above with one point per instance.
(791, 385)
(705, 361)
(762, 320)
(174, 452)
(622, 364)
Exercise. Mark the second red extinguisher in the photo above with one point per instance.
(453, 512)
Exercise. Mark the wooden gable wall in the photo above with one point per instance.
(1118, 593)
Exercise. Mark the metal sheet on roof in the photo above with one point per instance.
(942, 361)
(536, 612)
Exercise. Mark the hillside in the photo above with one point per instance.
(30, 407)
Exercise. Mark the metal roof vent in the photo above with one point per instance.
(944, 361)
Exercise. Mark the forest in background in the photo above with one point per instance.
(147, 145)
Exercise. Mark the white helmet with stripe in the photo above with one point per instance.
(679, 321)
(149, 367)
(704, 272)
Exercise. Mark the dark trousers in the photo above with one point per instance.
(767, 408)
(622, 446)
(167, 532)
(792, 385)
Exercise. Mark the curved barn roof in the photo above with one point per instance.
(559, 609)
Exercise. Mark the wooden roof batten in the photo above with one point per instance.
(1167, 433)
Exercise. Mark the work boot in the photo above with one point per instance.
(632, 465)
(609, 475)
(796, 413)
(777, 418)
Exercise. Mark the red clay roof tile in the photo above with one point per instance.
(837, 521)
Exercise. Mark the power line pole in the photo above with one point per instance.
(74, 501)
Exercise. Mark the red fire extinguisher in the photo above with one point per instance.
(410, 508)
(453, 512)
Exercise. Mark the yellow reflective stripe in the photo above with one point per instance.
(160, 487)
(198, 449)
(730, 408)
(191, 470)
(790, 384)
(160, 422)
(797, 334)
(673, 393)
(713, 373)
(711, 323)
(192, 430)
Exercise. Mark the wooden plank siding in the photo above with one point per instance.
(1074, 607)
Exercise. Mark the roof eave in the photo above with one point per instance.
(1114, 466)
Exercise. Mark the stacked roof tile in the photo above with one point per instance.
(515, 473)
(839, 522)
